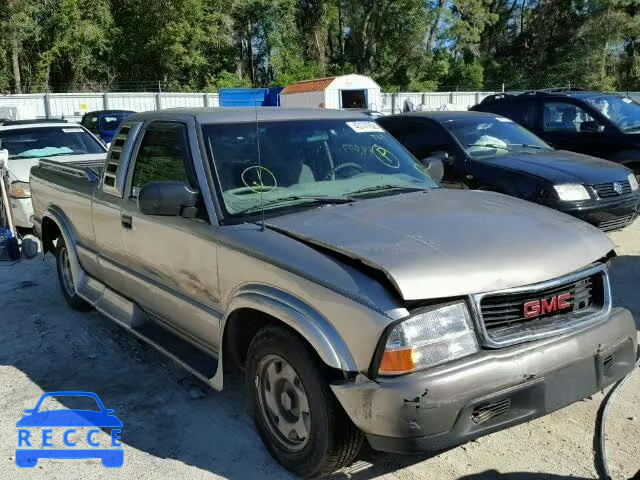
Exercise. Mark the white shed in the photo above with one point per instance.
(345, 91)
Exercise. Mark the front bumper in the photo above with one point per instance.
(607, 215)
(22, 210)
(448, 405)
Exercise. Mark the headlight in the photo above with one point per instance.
(633, 181)
(571, 192)
(429, 338)
(20, 190)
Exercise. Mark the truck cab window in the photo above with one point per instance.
(163, 155)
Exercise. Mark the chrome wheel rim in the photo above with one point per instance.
(65, 272)
(283, 402)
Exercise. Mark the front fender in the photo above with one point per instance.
(300, 316)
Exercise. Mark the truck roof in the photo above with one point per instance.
(245, 114)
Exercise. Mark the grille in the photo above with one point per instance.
(503, 314)
(616, 223)
(484, 413)
(606, 190)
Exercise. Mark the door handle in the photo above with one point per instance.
(127, 221)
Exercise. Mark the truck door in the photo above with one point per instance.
(172, 263)
(106, 208)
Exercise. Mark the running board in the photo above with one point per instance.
(131, 317)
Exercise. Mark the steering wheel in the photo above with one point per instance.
(331, 174)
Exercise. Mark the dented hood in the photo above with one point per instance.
(445, 243)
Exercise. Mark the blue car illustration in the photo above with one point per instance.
(112, 457)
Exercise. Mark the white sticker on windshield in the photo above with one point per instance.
(627, 100)
(503, 119)
(365, 127)
(72, 130)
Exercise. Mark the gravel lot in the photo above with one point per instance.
(174, 427)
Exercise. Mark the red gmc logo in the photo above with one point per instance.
(535, 308)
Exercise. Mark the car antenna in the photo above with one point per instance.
(255, 108)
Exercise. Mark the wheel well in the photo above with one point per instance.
(242, 325)
(50, 232)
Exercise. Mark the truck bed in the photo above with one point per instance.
(69, 188)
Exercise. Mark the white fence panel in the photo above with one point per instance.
(435, 100)
(464, 99)
(138, 102)
(385, 103)
(173, 100)
(28, 106)
(65, 105)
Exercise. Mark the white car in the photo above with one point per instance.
(28, 142)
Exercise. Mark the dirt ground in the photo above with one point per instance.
(174, 427)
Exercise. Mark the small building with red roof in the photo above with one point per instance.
(344, 91)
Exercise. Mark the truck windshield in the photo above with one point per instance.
(49, 142)
(491, 137)
(308, 161)
(622, 111)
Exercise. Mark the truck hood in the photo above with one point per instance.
(445, 243)
(19, 168)
(563, 167)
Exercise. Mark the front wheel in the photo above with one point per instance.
(63, 264)
(294, 410)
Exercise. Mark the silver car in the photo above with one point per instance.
(363, 301)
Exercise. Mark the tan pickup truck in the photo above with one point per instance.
(364, 302)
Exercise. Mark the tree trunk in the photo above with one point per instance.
(434, 28)
(321, 54)
(341, 33)
(252, 72)
(15, 61)
(365, 39)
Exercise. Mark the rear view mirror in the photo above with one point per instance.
(434, 167)
(168, 198)
(591, 127)
(4, 157)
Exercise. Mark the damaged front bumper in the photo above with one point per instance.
(448, 405)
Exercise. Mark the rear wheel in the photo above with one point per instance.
(294, 410)
(63, 264)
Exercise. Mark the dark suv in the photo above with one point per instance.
(605, 125)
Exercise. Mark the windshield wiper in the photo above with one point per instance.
(388, 187)
(632, 128)
(319, 199)
(528, 145)
(488, 145)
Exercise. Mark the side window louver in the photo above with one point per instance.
(110, 179)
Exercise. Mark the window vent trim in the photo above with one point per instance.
(115, 172)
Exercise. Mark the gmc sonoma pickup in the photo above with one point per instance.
(364, 302)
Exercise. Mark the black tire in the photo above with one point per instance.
(333, 440)
(67, 287)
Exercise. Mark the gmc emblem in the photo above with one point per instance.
(535, 308)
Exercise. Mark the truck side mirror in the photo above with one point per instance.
(591, 127)
(168, 198)
(4, 157)
(434, 166)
